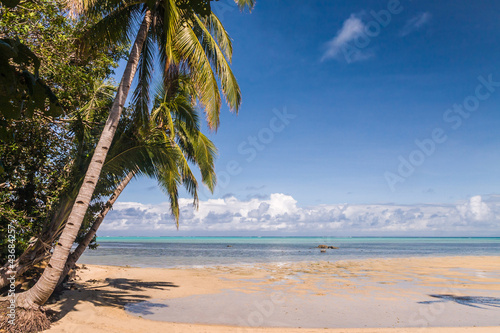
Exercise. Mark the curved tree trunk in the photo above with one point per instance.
(41, 291)
(35, 253)
(76, 254)
(41, 248)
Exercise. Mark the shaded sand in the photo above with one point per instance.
(375, 295)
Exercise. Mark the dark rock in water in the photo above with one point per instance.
(323, 250)
(229, 246)
(322, 246)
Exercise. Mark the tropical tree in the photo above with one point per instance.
(173, 125)
(39, 58)
(44, 165)
(183, 37)
(160, 149)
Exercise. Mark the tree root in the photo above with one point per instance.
(21, 320)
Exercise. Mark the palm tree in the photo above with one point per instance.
(182, 36)
(78, 124)
(175, 122)
(136, 149)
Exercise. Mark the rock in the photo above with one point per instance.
(229, 246)
(322, 246)
(69, 286)
(323, 250)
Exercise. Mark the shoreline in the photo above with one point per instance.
(202, 252)
(320, 296)
(280, 263)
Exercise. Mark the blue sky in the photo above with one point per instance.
(336, 94)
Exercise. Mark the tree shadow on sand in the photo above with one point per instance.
(98, 293)
(138, 285)
(480, 302)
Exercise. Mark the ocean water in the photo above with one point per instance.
(208, 251)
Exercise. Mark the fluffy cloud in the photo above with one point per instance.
(415, 23)
(475, 210)
(280, 215)
(352, 28)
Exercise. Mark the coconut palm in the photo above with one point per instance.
(175, 123)
(182, 37)
(136, 150)
(78, 126)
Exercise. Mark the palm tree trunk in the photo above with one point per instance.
(41, 291)
(76, 254)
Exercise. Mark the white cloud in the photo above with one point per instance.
(475, 210)
(415, 23)
(352, 28)
(280, 215)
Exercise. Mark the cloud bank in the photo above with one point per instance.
(279, 214)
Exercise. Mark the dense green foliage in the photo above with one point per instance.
(51, 35)
(20, 90)
(37, 156)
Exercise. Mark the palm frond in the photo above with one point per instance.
(201, 151)
(169, 181)
(115, 23)
(185, 112)
(141, 96)
(206, 152)
(217, 30)
(245, 4)
(228, 81)
(191, 49)
(170, 20)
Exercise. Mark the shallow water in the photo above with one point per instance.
(206, 251)
(261, 309)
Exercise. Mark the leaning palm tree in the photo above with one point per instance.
(80, 125)
(173, 125)
(183, 38)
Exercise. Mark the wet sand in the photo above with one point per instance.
(449, 294)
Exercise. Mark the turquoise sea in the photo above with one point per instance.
(206, 251)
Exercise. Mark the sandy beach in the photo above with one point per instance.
(439, 294)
